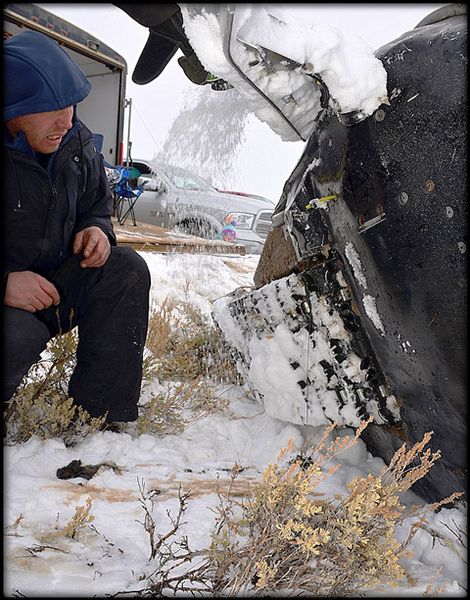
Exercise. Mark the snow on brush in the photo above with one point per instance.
(112, 554)
(280, 53)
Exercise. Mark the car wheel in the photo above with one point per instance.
(198, 227)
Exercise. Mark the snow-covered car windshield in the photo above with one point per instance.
(184, 180)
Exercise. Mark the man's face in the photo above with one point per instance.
(44, 131)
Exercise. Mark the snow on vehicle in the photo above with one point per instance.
(359, 304)
(177, 198)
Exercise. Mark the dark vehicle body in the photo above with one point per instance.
(398, 211)
(406, 167)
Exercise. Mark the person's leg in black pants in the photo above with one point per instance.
(24, 338)
(110, 306)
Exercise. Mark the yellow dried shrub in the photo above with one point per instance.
(183, 345)
(287, 538)
(41, 405)
(183, 403)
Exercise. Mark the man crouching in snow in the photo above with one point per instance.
(62, 267)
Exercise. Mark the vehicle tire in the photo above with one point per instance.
(198, 227)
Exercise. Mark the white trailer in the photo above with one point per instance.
(103, 110)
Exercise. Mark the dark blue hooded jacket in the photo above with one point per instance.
(48, 199)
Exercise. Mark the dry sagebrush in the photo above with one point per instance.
(286, 539)
(180, 404)
(41, 405)
(183, 345)
(183, 349)
(190, 358)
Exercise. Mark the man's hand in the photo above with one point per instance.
(30, 291)
(93, 243)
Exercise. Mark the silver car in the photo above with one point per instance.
(175, 198)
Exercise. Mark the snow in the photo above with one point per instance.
(368, 301)
(355, 262)
(200, 281)
(275, 337)
(280, 53)
(112, 554)
(370, 307)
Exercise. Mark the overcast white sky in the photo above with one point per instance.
(265, 161)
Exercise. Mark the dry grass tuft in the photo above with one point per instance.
(181, 404)
(81, 518)
(184, 346)
(41, 406)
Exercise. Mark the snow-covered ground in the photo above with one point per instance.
(112, 553)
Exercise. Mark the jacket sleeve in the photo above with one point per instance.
(4, 282)
(96, 204)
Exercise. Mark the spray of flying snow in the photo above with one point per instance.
(207, 135)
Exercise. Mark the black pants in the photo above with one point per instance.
(110, 306)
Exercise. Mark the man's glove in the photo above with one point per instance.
(195, 71)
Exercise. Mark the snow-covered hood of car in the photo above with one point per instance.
(228, 202)
(281, 65)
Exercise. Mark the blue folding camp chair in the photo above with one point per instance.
(125, 195)
(119, 178)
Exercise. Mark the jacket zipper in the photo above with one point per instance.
(61, 237)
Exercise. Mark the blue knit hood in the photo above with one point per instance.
(39, 76)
